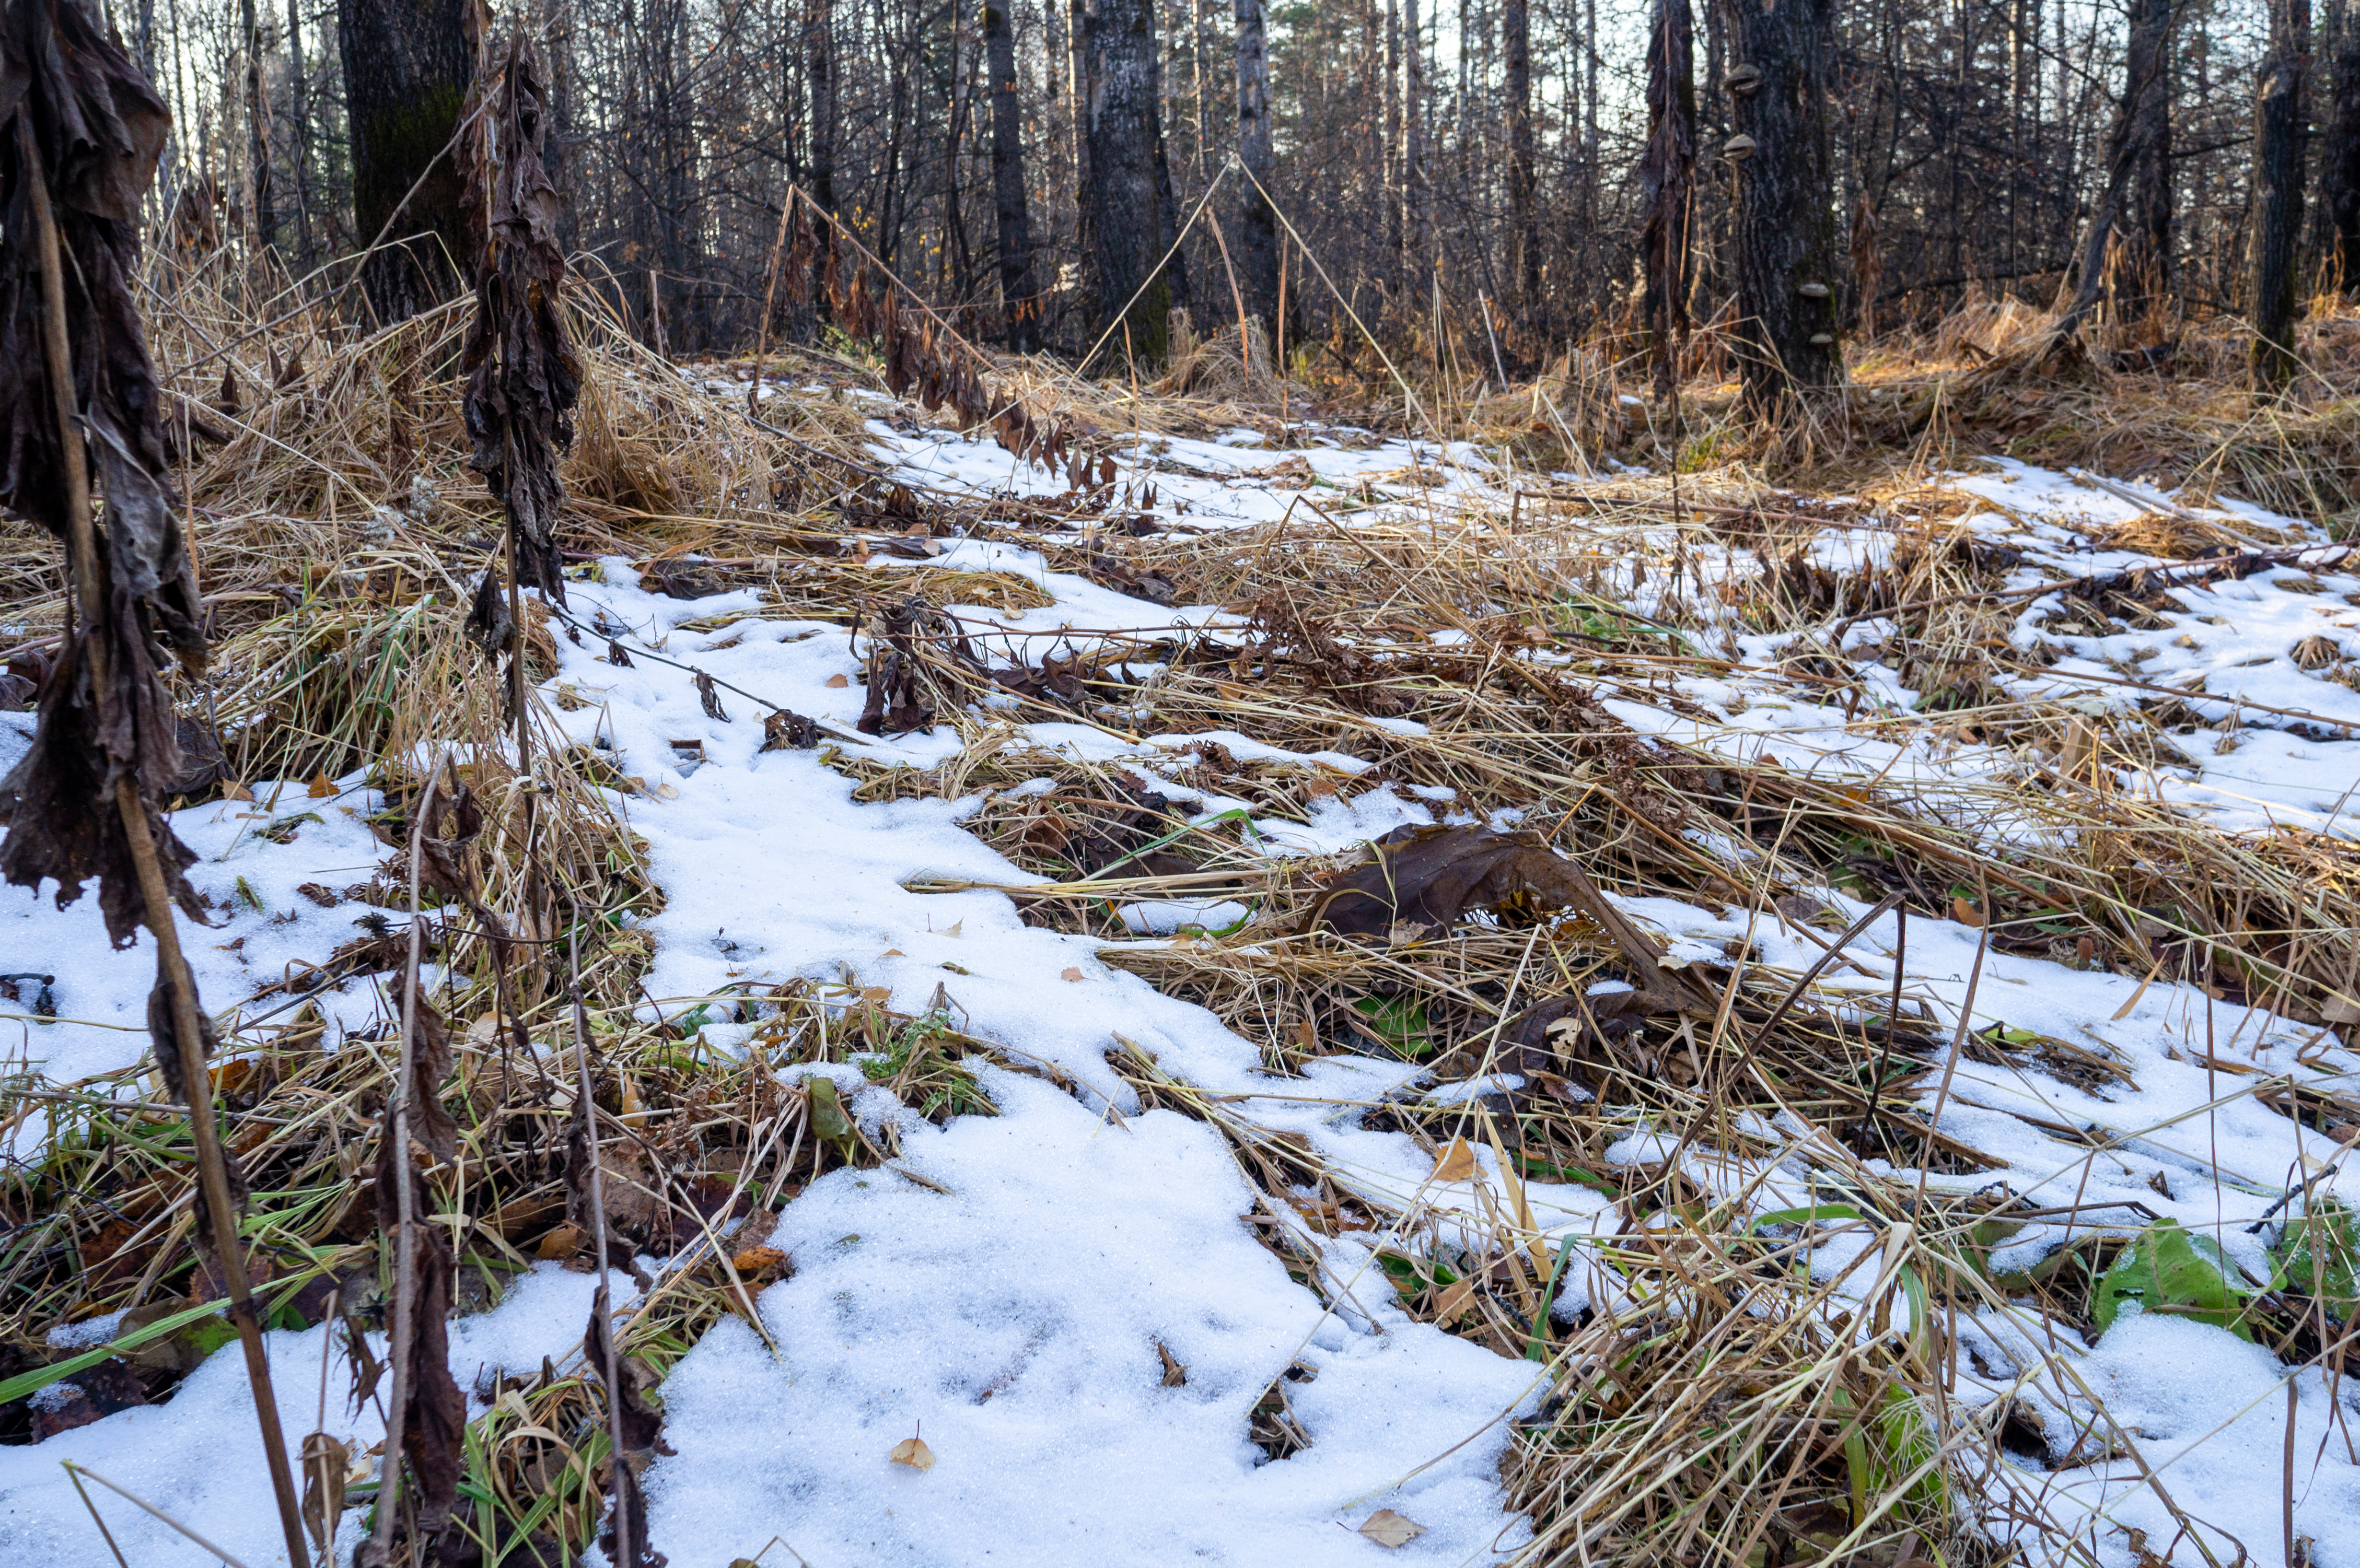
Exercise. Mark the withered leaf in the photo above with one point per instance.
(709, 698)
(1175, 1374)
(913, 1452)
(787, 729)
(1390, 1529)
(1431, 878)
(488, 625)
(641, 1426)
(326, 1461)
(523, 375)
(1457, 1162)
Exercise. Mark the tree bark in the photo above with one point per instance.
(1019, 302)
(1258, 231)
(407, 66)
(1524, 233)
(1395, 197)
(2339, 165)
(262, 220)
(1785, 229)
(2144, 271)
(819, 54)
(299, 153)
(1666, 178)
(1415, 225)
(961, 121)
(2144, 82)
(1126, 206)
(2278, 192)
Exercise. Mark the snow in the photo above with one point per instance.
(1010, 1307)
(1014, 1325)
(199, 1456)
(263, 930)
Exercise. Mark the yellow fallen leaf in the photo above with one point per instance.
(837, 683)
(1455, 1299)
(1390, 1529)
(1458, 1162)
(322, 788)
(954, 926)
(893, 953)
(562, 1243)
(1965, 913)
(234, 790)
(1072, 974)
(913, 1452)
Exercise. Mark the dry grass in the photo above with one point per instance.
(1728, 1410)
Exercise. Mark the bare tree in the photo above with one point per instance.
(2146, 103)
(1784, 235)
(2339, 164)
(1126, 193)
(819, 58)
(1524, 233)
(2278, 190)
(1258, 231)
(2142, 266)
(407, 65)
(1019, 301)
(1665, 177)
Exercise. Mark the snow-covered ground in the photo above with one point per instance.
(1020, 1303)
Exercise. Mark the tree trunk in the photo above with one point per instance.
(1524, 235)
(2145, 81)
(2339, 165)
(407, 66)
(1395, 198)
(261, 218)
(1414, 207)
(1126, 206)
(1258, 233)
(2278, 192)
(819, 55)
(1785, 229)
(955, 254)
(1019, 301)
(1666, 178)
(2145, 269)
(299, 153)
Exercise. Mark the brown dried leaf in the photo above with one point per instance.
(523, 375)
(1457, 1162)
(1427, 879)
(326, 1461)
(913, 1452)
(1390, 1529)
(786, 730)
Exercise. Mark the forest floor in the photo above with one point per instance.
(1362, 995)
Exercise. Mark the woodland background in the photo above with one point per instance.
(1452, 166)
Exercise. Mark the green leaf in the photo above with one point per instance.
(1805, 1216)
(827, 1117)
(1399, 1022)
(40, 1377)
(1570, 1173)
(2167, 1270)
(2318, 1256)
